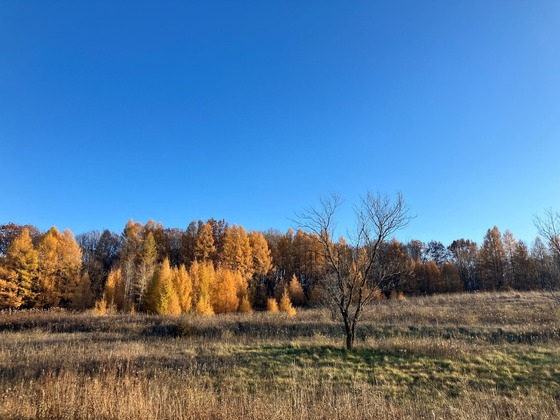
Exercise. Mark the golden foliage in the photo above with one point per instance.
(9, 298)
(245, 305)
(237, 255)
(261, 255)
(184, 288)
(225, 291)
(69, 267)
(114, 290)
(203, 276)
(22, 260)
(165, 299)
(272, 305)
(47, 270)
(204, 247)
(286, 304)
(397, 295)
(296, 292)
(101, 307)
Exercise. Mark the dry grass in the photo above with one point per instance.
(461, 356)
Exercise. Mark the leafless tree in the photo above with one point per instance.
(355, 272)
(548, 227)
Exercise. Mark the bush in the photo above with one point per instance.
(271, 305)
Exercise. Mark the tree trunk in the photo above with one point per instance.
(349, 335)
(349, 341)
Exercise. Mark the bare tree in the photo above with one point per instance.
(355, 273)
(548, 227)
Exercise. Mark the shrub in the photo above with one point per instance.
(286, 304)
(271, 305)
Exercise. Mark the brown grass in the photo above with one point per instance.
(460, 356)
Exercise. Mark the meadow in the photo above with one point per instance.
(463, 356)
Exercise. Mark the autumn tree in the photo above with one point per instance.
(45, 288)
(296, 291)
(114, 293)
(10, 231)
(9, 297)
(354, 272)
(226, 290)
(161, 296)
(271, 305)
(161, 241)
(203, 276)
(237, 254)
(433, 277)
(70, 265)
(204, 247)
(183, 285)
(281, 249)
(395, 266)
(60, 261)
(21, 266)
(492, 260)
(308, 262)
(83, 297)
(285, 304)
(261, 266)
(146, 268)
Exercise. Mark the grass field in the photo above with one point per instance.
(458, 356)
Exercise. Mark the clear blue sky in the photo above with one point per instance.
(249, 111)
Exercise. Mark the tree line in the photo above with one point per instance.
(212, 267)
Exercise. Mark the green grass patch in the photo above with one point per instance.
(506, 371)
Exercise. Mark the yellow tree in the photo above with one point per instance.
(286, 304)
(9, 298)
(60, 262)
(225, 296)
(296, 291)
(69, 267)
(45, 291)
(433, 277)
(260, 253)
(161, 296)
(237, 255)
(146, 269)
(261, 266)
(203, 276)
(184, 288)
(22, 261)
(114, 294)
(204, 247)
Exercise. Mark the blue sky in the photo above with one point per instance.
(249, 111)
